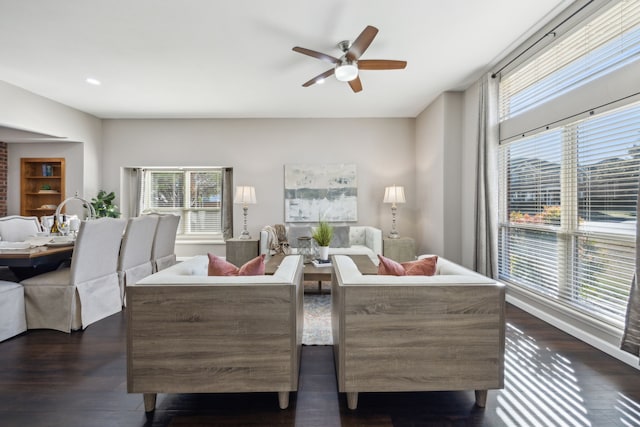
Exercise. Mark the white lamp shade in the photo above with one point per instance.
(394, 194)
(245, 195)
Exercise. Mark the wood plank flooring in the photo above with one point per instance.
(49, 378)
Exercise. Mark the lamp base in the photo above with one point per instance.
(244, 235)
(394, 235)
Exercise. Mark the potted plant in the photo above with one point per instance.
(322, 235)
(104, 206)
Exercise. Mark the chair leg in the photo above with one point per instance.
(283, 399)
(481, 398)
(149, 401)
(352, 400)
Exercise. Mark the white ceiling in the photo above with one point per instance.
(209, 58)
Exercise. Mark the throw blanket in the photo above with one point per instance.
(277, 239)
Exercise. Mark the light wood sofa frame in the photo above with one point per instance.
(417, 333)
(190, 333)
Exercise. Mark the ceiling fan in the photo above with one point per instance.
(347, 67)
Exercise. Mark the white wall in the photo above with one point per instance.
(438, 177)
(429, 193)
(258, 149)
(72, 134)
(451, 180)
(468, 158)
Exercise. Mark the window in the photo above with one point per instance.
(568, 212)
(568, 189)
(193, 194)
(605, 43)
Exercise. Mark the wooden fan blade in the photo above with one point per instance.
(318, 55)
(362, 42)
(318, 78)
(356, 85)
(381, 64)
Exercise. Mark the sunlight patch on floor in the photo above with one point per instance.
(541, 387)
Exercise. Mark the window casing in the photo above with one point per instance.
(193, 194)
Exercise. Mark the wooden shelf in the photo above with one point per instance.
(36, 173)
(43, 194)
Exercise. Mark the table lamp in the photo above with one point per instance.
(245, 195)
(393, 195)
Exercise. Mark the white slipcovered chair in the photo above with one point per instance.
(134, 262)
(12, 317)
(16, 228)
(163, 253)
(74, 297)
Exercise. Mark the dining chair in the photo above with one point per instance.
(12, 317)
(74, 297)
(16, 228)
(134, 262)
(163, 252)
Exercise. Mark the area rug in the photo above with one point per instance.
(317, 320)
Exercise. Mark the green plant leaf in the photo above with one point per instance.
(323, 233)
(103, 205)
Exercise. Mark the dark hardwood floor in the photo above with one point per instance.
(50, 378)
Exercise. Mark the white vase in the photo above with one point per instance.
(324, 252)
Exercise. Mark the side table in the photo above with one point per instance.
(401, 249)
(239, 251)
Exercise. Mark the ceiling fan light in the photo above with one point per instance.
(346, 72)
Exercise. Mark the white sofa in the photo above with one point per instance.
(417, 333)
(192, 333)
(363, 240)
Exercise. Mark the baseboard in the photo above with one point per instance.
(603, 337)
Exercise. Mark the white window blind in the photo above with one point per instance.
(193, 194)
(568, 212)
(604, 43)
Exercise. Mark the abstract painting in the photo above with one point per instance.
(326, 192)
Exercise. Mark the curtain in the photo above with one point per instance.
(631, 336)
(135, 191)
(486, 208)
(227, 203)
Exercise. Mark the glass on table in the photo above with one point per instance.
(74, 226)
(63, 225)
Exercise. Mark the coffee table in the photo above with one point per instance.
(322, 274)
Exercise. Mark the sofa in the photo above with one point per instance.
(348, 240)
(417, 333)
(192, 333)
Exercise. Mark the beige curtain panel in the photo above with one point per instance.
(631, 337)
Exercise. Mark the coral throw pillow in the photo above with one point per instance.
(421, 267)
(253, 267)
(389, 267)
(221, 267)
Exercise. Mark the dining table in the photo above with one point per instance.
(34, 257)
(30, 261)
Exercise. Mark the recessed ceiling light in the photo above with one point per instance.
(93, 81)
